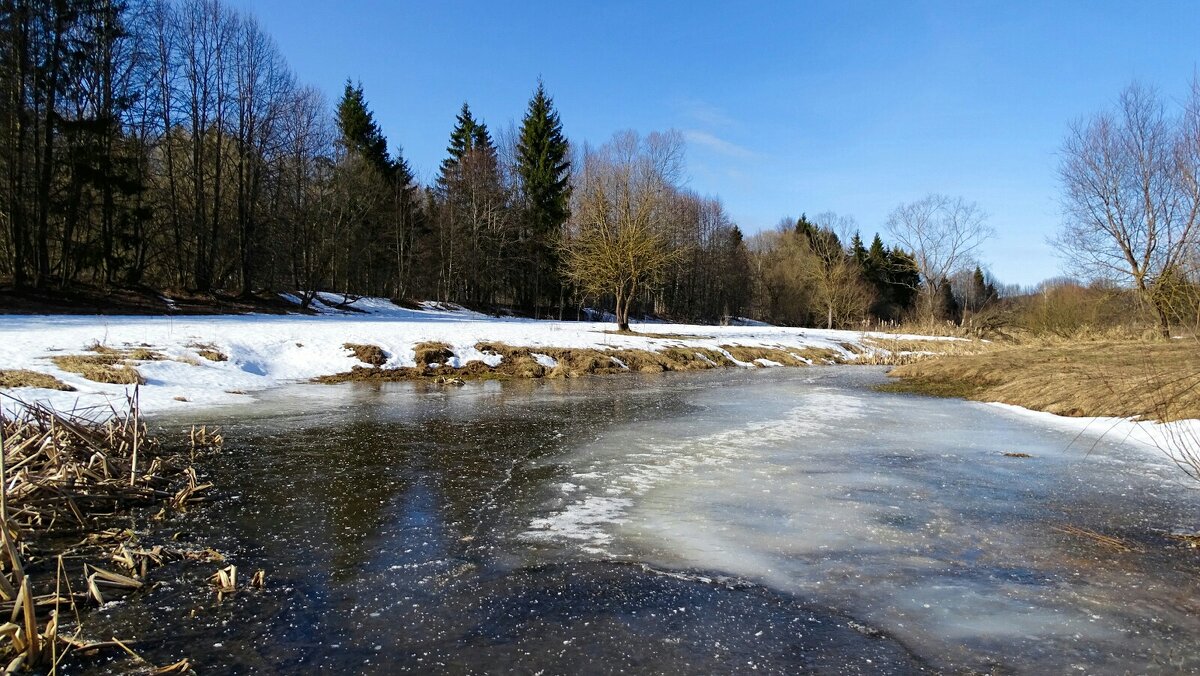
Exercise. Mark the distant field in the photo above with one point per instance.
(1147, 379)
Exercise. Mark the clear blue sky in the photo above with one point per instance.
(788, 107)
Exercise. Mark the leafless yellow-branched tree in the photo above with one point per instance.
(1131, 197)
(616, 243)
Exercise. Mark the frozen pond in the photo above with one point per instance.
(777, 520)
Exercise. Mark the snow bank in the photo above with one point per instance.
(1173, 438)
(265, 351)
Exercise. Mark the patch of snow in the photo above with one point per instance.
(1171, 438)
(544, 360)
(265, 351)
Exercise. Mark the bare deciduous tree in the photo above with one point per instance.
(617, 245)
(942, 233)
(835, 279)
(1131, 195)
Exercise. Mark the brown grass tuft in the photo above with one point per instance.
(208, 351)
(100, 368)
(368, 354)
(136, 353)
(432, 353)
(22, 378)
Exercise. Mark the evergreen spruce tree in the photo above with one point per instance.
(804, 226)
(904, 279)
(467, 135)
(948, 307)
(545, 173)
(359, 131)
(858, 251)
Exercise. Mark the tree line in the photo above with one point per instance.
(167, 145)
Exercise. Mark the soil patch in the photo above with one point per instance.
(368, 354)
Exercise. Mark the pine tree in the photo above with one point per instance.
(904, 279)
(467, 134)
(735, 283)
(474, 216)
(545, 173)
(858, 251)
(948, 307)
(359, 131)
(804, 226)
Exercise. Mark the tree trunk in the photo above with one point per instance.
(1164, 322)
(622, 310)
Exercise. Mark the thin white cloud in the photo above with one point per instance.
(717, 144)
(705, 113)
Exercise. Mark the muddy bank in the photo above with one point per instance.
(434, 361)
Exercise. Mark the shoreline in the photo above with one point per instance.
(181, 362)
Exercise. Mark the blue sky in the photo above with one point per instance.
(851, 107)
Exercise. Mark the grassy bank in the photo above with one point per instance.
(1157, 380)
(508, 362)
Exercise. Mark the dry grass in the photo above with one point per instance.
(1099, 538)
(23, 378)
(521, 362)
(209, 351)
(779, 355)
(368, 354)
(901, 351)
(131, 353)
(429, 353)
(100, 368)
(68, 474)
(1154, 380)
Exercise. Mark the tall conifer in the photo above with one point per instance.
(545, 173)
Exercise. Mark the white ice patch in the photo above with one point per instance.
(583, 521)
(544, 359)
(627, 465)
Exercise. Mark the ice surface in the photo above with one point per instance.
(903, 510)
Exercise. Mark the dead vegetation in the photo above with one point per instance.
(115, 366)
(66, 475)
(556, 362)
(209, 351)
(430, 353)
(21, 378)
(902, 351)
(100, 368)
(367, 354)
(751, 355)
(1140, 379)
(1108, 541)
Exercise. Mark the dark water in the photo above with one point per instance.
(783, 521)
